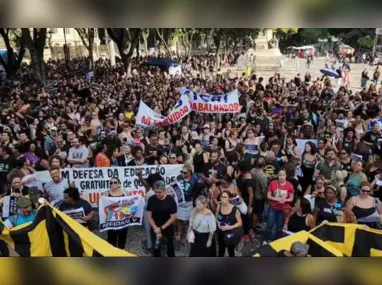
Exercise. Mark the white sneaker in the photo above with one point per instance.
(265, 242)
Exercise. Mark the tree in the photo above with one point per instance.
(145, 34)
(286, 36)
(126, 40)
(12, 62)
(352, 36)
(366, 42)
(87, 38)
(311, 36)
(164, 36)
(36, 44)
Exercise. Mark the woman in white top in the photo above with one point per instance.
(201, 230)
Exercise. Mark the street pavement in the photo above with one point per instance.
(291, 68)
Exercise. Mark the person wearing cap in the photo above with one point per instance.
(24, 214)
(161, 213)
(327, 209)
(50, 141)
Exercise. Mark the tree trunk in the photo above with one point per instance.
(146, 45)
(36, 50)
(168, 51)
(137, 49)
(13, 64)
(38, 65)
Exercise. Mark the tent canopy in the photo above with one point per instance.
(161, 62)
(302, 47)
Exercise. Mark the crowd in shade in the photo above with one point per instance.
(298, 154)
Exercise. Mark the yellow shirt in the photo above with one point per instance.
(128, 115)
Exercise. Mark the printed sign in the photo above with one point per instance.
(176, 191)
(120, 212)
(205, 103)
(9, 206)
(76, 214)
(147, 117)
(92, 182)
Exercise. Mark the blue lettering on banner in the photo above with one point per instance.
(180, 103)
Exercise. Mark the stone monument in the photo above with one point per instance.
(267, 56)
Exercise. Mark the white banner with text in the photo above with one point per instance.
(92, 182)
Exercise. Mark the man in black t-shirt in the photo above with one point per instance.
(371, 138)
(214, 170)
(161, 213)
(73, 205)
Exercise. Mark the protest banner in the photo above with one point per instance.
(9, 206)
(76, 214)
(92, 182)
(120, 212)
(147, 117)
(205, 103)
(176, 191)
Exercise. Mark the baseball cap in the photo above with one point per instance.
(299, 249)
(160, 185)
(53, 128)
(23, 202)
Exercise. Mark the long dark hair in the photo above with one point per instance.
(305, 206)
(312, 147)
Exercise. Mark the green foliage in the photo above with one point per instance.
(311, 36)
(366, 42)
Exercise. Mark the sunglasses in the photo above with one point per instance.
(113, 182)
(172, 157)
(365, 191)
(184, 172)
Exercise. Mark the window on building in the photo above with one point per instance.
(68, 30)
(53, 30)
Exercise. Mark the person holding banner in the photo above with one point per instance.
(23, 216)
(161, 213)
(77, 208)
(54, 189)
(116, 238)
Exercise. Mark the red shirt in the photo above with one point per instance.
(278, 191)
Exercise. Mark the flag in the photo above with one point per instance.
(52, 233)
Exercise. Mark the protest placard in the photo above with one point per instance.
(76, 214)
(176, 191)
(9, 206)
(120, 212)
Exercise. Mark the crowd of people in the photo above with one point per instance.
(244, 175)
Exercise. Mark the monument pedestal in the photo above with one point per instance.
(267, 54)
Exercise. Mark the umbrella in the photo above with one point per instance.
(161, 62)
(330, 72)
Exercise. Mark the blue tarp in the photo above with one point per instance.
(161, 62)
